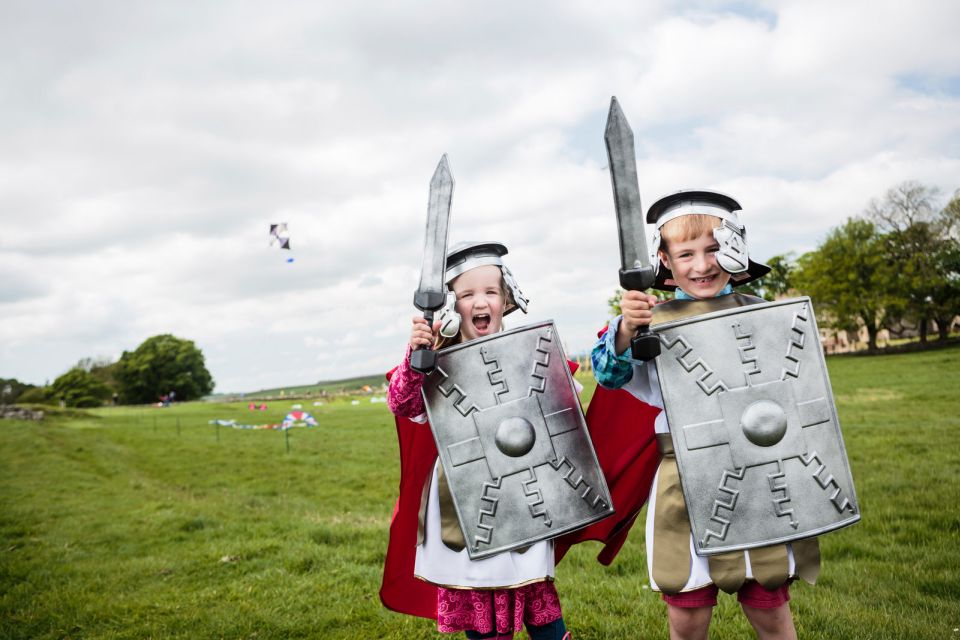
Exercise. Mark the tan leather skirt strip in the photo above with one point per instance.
(671, 538)
(450, 531)
(728, 570)
(806, 554)
(770, 565)
(422, 514)
(665, 444)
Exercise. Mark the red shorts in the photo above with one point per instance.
(752, 594)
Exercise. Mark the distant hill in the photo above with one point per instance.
(328, 387)
(375, 382)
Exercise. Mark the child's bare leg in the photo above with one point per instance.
(689, 623)
(771, 624)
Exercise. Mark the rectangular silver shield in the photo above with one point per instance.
(754, 426)
(513, 441)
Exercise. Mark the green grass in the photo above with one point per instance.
(113, 525)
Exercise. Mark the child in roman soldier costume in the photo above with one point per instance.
(428, 571)
(700, 252)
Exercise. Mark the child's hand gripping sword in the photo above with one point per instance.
(432, 292)
(636, 273)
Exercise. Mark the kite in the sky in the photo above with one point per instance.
(280, 236)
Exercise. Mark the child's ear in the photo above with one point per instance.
(664, 259)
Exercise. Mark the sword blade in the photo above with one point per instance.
(435, 242)
(626, 190)
(636, 272)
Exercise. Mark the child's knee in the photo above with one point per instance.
(776, 622)
(689, 622)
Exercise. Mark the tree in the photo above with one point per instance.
(904, 205)
(849, 278)
(945, 293)
(777, 282)
(160, 365)
(36, 395)
(103, 369)
(920, 241)
(11, 389)
(613, 303)
(78, 388)
(950, 217)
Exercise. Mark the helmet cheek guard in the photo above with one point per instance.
(732, 254)
(515, 298)
(449, 318)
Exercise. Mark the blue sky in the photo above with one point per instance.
(146, 147)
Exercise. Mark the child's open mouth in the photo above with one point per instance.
(481, 321)
(705, 280)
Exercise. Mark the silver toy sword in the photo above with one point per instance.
(432, 292)
(636, 273)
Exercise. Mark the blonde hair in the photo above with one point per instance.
(687, 227)
(443, 341)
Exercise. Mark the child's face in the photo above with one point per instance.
(694, 266)
(479, 301)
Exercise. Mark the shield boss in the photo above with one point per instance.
(512, 440)
(754, 426)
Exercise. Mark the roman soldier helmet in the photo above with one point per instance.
(465, 256)
(731, 234)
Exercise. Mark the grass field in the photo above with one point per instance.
(122, 523)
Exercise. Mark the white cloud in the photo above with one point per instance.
(144, 149)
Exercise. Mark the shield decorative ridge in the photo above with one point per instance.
(754, 427)
(513, 441)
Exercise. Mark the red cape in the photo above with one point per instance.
(621, 428)
(400, 590)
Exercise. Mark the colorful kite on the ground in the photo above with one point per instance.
(299, 419)
(293, 419)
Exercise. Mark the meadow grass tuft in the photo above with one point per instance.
(114, 526)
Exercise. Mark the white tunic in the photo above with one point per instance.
(645, 386)
(439, 564)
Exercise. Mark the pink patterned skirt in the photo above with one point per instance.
(480, 609)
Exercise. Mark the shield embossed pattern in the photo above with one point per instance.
(754, 426)
(513, 441)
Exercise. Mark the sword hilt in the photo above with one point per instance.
(424, 359)
(645, 345)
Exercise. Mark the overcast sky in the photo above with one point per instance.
(145, 147)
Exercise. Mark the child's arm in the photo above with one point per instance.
(612, 370)
(403, 394)
(637, 310)
(612, 365)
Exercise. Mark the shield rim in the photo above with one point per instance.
(601, 478)
(808, 533)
